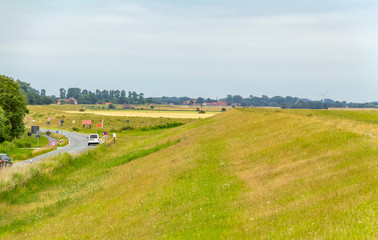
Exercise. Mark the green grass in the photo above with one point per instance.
(243, 174)
(18, 149)
(197, 193)
(61, 177)
(365, 116)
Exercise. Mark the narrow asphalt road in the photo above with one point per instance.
(78, 144)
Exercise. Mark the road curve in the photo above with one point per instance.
(78, 144)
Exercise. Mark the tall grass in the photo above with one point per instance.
(244, 174)
(24, 185)
(17, 149)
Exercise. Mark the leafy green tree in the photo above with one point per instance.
(149, 100)
(229, 99)
(84, 92)
(117, 94)
(13, 103)
(200, 101)
(32, 95)
(111, 94)
(122, 100)
(62, 93)
(98, 94)
(105, 95)
(46, 100)
(5, 127)
(237, 99)
(134, 97)
(74, 92)
(85, 99)
(141, 98)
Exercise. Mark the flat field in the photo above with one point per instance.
(242, 174)
(158, 111)
(111, 122)
(149, 113)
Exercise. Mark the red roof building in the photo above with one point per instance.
(187, 102)
(87, 123)
(218, 103)
(70, 100)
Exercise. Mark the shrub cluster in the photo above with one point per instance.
(125, 128)
(162, 126)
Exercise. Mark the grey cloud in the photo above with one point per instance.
(156, 48)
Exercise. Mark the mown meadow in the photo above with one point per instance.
(242, 174)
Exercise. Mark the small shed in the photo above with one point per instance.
(87, 124)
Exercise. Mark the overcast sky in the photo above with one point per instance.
(207, 48)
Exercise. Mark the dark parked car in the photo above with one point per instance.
(5, 160)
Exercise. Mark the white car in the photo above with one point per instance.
(93, 139)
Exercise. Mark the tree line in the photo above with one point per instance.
(15, 95)
(293, 102)
(84, 96)
(101, 96)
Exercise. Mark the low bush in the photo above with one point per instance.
(76, 129)
(125, 128)
(162, 126)
(7, 147)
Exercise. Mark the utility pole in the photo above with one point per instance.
(61, 128)
(58, 133)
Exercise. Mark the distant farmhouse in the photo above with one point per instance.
(235, 104)
(70, 100)
(217, 103)
(189, 102)
(87, 124)
(127, 106)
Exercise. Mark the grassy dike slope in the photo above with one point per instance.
(252, 174)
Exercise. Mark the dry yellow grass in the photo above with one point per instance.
(41, 113)
(151, 114)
